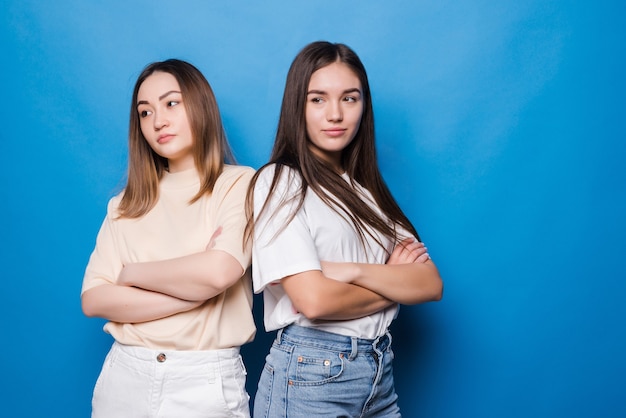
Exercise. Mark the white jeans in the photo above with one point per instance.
(139, 382)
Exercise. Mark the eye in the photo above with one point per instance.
(172, 103)
(144, 113)
(351, 99)
(317, 100)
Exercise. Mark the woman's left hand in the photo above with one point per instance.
(408, 251)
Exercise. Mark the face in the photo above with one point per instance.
(164, 121)
(333, 111)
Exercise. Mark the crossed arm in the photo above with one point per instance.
(145, 291)
(344, 291)
(401, 280)
(126, 304)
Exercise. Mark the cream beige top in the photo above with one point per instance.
(174, 228)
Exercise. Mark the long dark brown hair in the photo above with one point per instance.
(211, 148)
(291, 149)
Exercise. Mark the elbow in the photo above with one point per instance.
(87, 305)
(312, 314)
(95, 302)
(434, 289)
(433, 293)
(311, 308)
(438, 295)
(437, 292)
(310, 296)
(222, 279)
(88, 312)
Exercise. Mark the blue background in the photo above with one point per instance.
(500, 130)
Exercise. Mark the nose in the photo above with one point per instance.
(334, 113)
(159, 121)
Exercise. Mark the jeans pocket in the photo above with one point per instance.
(109, 362)
(234, 388)
(263, 398)
(315, 367)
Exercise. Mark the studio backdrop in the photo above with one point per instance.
(500, 130)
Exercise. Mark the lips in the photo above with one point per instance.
(162, 139)
(334, 132)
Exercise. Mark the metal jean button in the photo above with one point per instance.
(161, 357)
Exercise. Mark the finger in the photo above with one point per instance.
(406, 251)
(408, 245)
(399, 248)
(394, 257)
(422, 258)
(406, 255)
(415, 248)
(216, 234)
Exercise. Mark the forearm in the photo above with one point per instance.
(353, 302)
(131, 305)
(199, 276)
(408, 283)
(319, 297)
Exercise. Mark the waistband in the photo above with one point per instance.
(313, 337)
(175, 357)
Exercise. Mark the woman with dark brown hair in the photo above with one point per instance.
(333, 253)
(168, 270)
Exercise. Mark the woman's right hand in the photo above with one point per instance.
(409, 251)
(216, 234)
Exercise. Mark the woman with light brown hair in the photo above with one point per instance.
(169, 270)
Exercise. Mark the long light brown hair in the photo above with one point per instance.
(291, 149)
(210, 146)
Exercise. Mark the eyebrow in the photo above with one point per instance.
(353, 90)
(161, 97)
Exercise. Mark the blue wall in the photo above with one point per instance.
(500, 129)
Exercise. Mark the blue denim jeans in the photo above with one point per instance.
(309, 372)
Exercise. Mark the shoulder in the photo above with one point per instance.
(235, 173)
(113, 205)
(233, 176)
(287, 177)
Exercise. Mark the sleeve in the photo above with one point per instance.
(105, 262)
(283, 244)
(230, 213)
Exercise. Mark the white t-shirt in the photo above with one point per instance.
(315, 233)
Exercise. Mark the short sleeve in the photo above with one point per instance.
(230, 194)
(104, 264)
(282, 244)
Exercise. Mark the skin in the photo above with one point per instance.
(123, 303)
(406, 282)
(333, 111)
(163, 120)
(153, 290)
(343, 291)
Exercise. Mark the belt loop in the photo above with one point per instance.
(355, 348)
(379, 342)
(279, 334)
